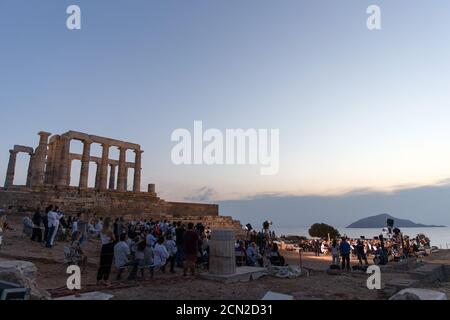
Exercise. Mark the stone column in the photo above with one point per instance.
(122, 175)
(30, 170)
(104, 167)
(50, 164)
(9, 181)
(85, 160)
(152, 190)
(40, 156)
(112, 176)
(126, 179)
(97, 176)
(137, 171)
(64, 161)
(69, 171)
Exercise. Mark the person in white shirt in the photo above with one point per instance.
(151, 240)
(160, 254)
(171, 247)
(99, 225)
(53, 224)
(122, 254)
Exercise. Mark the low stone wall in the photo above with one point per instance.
(72, 200)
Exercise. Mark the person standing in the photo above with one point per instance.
(179, 237)
(37, 220)
(190, 247)
(171, 247)
(317, 247)
(335, 253)
(53, 224)
(345, 249)
(82, 227)
(107, 252)
(360, 251)
(45, 222)
(160, 254)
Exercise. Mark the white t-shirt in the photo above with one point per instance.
(121, 253)
(160, 255)
(53, 219)
(171, 247)
(75, 226)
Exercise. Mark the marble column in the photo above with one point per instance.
(64, 161)
(137, 171)
(9, 181)
(104, 167)
(30, 170)
(69, 171)
(126, 179)
(50, 164)
(40, 156)
(85, 160)
(112, 177)
(122, 175)
(97, 176)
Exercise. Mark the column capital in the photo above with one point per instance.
(138, 151)
(44, 134)
(87, 142)
(13, 151)
(65, 138)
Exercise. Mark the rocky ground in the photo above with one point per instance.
(314, 284)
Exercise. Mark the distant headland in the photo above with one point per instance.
(379, 221)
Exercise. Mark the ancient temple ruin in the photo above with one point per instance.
(49, 174)
(50, 163)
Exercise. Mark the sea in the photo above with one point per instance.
(439, 237)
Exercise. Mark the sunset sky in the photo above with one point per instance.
(356, 109)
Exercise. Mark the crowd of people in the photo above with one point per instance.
(258, 249)
(394, 246)
(144, 245)
(139, 246)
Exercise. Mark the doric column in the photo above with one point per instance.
(30, 170)
(137, 171)
(104, 167)
(97, 176)
(50, 164)
(122, 175)
(85, 160)
(40, 155)
(64, 161)
(69, 170)
(112, 176)
(9, 181)
(56, 165)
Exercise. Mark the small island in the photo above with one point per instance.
(379, 221)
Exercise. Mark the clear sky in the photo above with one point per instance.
(355, 108)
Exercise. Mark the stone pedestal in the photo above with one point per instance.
(222, 259)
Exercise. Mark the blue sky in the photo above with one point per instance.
(355, 108)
